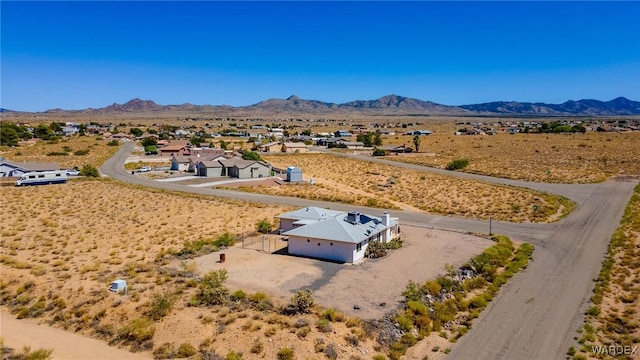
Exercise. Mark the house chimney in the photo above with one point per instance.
(386, 220)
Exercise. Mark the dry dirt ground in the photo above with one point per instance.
(379, 185)
(62, 251)
(97, 151)
(576, 158)
(368, 284)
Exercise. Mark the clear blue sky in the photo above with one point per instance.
(74, 55)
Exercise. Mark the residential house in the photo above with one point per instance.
(15, 169)
(333, 235)
(395, 149)
(420, 132)
(175, 147)
(271, 147)
(233, 167)
(122, 137)
(343, 133)
(294, 147)
(182, 163)
(70, 130)
(350, 144)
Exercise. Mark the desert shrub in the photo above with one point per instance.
(473, 283)
(432, 287)
(417, 308)
(396, 350)
(352, 322)
(160, 305)
(81, 152)
(257, 347)
(264, 226)
(165, 351)
(375, 249)
(303, 332)
(395, 243)
(139, 330)
(332, 315)
(212, 289)
(379, 357)
(89, 171)
(457, 164)
(225, 240)
(301, 303)
(285, 354)
(413, 292)
(331, 352)
(232, 355)
(404, 322)
(238, 295)
(185, 350)
(260, 301)
(113, 143)
(26, 354)
(324, 325)
(379, 152)
(57, 153)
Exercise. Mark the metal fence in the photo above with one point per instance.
(268, 243)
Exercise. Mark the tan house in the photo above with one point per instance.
(272, 147)
(294, 147)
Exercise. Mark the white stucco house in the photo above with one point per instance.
(335, 235)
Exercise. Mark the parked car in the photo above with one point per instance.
(73, 172)
(144, 169)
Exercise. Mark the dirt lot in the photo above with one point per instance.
(368, 284)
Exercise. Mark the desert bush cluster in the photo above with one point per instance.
(446, 306)
(379, 185)
(613, 317)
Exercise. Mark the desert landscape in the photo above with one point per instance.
(93, 231)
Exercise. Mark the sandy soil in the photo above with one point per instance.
(368, 284)
(27, 332)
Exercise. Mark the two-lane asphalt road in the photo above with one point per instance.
(536, 315)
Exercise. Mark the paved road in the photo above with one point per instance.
(537, 314)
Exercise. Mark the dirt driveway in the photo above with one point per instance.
(368, 284)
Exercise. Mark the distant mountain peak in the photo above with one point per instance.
(388, 104)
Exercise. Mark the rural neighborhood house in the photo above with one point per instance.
(335, 235)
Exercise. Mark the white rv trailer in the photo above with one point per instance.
(42, 178)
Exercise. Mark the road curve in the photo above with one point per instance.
(535, 315)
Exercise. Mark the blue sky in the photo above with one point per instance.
(74, 55)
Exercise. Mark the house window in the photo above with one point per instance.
(359, 247)
(58, 174)
(40, 176)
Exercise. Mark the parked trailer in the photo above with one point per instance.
(42, 178)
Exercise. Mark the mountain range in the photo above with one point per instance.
(390, 104)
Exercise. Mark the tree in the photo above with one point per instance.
(306, 132)
(224, 145)
(55, 127)
(150, 141)
(264, 226)
(136, 132)
(8, 135)
(89, 171)
(416, 142)
(151, 149)
(43, 131)
(379, 152)
(251, 155)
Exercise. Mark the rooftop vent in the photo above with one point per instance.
(353, 217)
